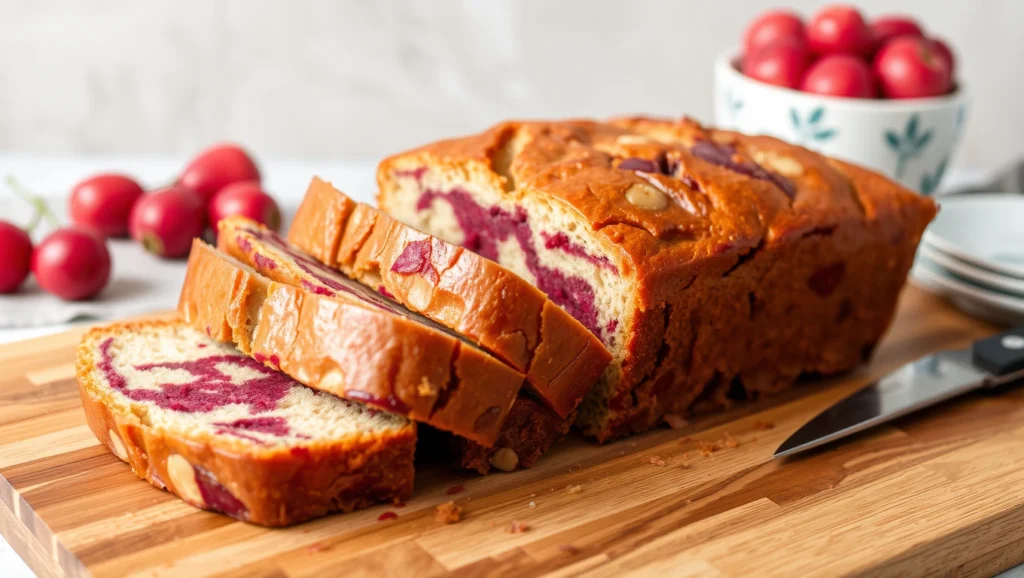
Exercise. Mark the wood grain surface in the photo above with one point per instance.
(941, 492)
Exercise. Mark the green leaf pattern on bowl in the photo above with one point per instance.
(733, 105)
(930, 181)
(909, 144)
(810, 129)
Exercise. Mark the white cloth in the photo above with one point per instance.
(139, 282)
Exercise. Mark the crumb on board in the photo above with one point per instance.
(575, 489)
(763, 425)
(568, 548)
(448, 513)
(731, 442)
(707, 448)
(675, 421)
(532, 504)
(515, 527)
(316, 547)
(656, 461)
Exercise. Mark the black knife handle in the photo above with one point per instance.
(1000, 354)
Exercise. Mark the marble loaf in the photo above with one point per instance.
(714, 266)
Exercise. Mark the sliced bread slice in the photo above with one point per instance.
(527, 437)
(226, 433)
(333, 334)
(458, 288)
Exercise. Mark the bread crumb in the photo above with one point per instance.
(763, 425)
(675, 421)
(448, 513)
(532, 504)
(316, 547)
(425, 388)
(707, 448)
(731, 442)
(568, 548)
(655, 460)
(516, 527)
(574, 489)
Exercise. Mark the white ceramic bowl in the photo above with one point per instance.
(912, 141)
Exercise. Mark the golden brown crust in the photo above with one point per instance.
(277, 487)
(457, 288)
(350, 349)
(576, 162)
(750, 261)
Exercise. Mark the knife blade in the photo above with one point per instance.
(991, 362)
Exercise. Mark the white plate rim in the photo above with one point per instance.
(984, 277)
(940, 243)
(957, 288)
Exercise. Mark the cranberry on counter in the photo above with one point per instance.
(166, 221)
(15, 257)
(104, 203)
(909, 67)
(217, 167)
(245, 198)
(72, 263)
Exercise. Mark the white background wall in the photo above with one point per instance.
(323, 79)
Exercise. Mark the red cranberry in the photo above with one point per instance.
(72, 263)
(825, 280)
(217, 167)
(909, 67)
(246, 198)
(782, 64)
(104, 202)
(885, 28)
(15, 257)
(839, 75)
(771, 28)
(165, 222)
(839, 29)
(946, 53)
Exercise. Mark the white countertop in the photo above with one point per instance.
(53, 177)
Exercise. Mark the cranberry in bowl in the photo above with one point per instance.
(876, 90)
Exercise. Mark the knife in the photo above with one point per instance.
(992, 362)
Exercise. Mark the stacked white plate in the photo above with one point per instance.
(973, 254)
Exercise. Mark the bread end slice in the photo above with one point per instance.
(225, 433)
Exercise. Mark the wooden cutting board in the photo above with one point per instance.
(942, 491)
